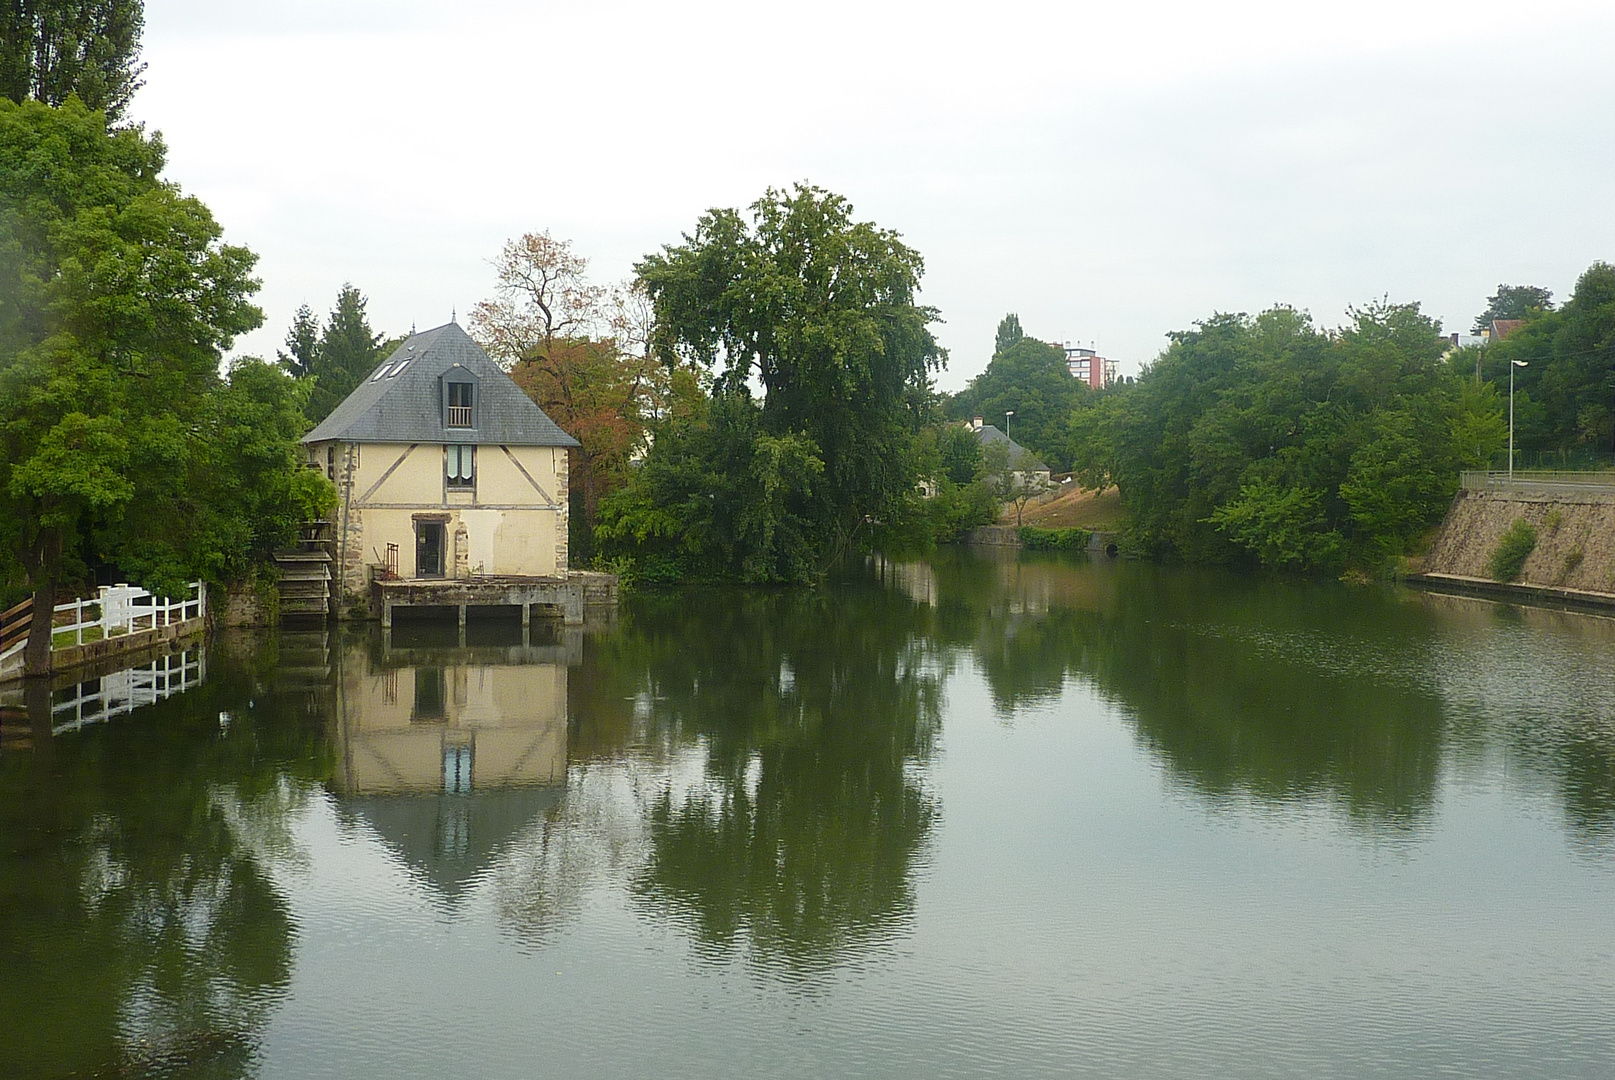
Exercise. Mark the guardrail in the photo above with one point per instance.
(1537, 480)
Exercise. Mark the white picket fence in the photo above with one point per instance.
(117, 610)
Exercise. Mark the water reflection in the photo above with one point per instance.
(1280, 691)
(449, 752)
(140, 928)
(788, 820)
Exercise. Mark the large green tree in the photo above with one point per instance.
(1514, 302)
(1029, 378)
(1565, 395)
(1265, 439)
(819, 311)
(50, 49)
(117, 298)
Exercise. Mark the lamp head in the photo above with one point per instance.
(1520, 363)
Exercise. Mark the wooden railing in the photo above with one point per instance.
(459, 416)
(14, 623)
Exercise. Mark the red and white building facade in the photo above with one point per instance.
(1089, 367)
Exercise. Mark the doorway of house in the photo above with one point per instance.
(429, 549)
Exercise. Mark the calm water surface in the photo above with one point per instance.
(972, 817)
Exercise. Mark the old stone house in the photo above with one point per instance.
(444, 470)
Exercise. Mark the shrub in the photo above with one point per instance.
(1035, 539)
(1512, 550)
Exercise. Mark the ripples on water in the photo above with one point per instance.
(972, 817)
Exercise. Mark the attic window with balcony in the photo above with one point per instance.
(460, 401)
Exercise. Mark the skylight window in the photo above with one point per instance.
(400, 366)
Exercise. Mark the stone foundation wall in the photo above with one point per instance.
(243, 606)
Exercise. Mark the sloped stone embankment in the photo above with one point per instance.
(1575, 549)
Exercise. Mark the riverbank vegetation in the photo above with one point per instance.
(1265, 440)
(1564, 396)
(121, 444)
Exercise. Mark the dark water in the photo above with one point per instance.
(967, 818)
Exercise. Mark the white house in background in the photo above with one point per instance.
(444, 469)
(1030, 473)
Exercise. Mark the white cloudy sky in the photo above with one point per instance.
(1109, 171)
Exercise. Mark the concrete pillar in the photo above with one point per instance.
(386, 614)
(574, 605)
(527, 614)
(462, 616)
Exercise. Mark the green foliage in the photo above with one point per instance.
(959, 508)
(243, 494)
(718, 498)
(819, 310)
(348, 351)
(116, 301)
(1564, 399)
(1009, 332)
(1514, 302)
(1515, 546)
(1263, 439)
(1035, 539)
(302, 344)
(1030, 379)
(958, 453)
(50, 49)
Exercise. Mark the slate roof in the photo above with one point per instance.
(989, 434)
(405, 407)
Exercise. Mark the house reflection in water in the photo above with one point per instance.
(449, 752)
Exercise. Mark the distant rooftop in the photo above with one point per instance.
(988, 434)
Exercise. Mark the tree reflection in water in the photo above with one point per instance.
(1285, 690)
(140, 933)
(789, 820)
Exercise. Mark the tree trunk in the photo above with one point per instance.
(36, 654)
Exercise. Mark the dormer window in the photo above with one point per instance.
(461, 400)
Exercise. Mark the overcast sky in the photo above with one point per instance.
(1110, 172)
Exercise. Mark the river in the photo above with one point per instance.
(984, 815)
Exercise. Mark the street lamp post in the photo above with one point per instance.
(1512, 364)
(1007, 414)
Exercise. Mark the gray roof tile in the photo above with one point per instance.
(405, 407)
(987, 433)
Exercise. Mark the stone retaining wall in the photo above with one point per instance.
(1575, 547)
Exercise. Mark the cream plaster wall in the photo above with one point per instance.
(514, 518)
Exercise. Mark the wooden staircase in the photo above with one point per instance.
(305, 574)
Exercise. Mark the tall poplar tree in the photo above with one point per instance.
(50, 49)
(348, 351)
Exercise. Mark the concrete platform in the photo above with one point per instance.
(566, 597)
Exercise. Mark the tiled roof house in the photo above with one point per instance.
(444, 469)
